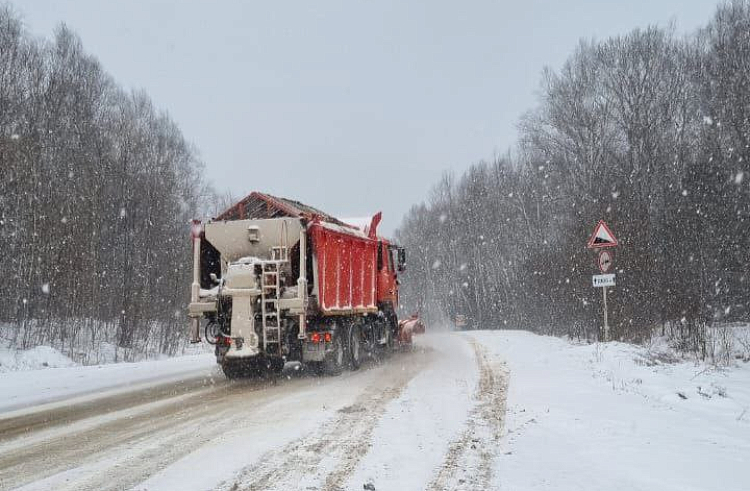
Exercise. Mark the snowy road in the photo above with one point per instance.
(500, 410)
(161, 430)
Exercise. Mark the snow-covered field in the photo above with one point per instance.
(481, 410)
(605, 417)
(32, 359)
(64, 380)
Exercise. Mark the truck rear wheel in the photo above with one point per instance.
(230, 371)
(274, 364)
(386, 348)
(252, 367)
(355, 347)
(334, 362)
(237, 369)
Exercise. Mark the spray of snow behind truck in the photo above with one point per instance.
(276, 280)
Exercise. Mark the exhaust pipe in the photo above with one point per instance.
(195, 322)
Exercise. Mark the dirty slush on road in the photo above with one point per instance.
(128, 439)
(341, 442)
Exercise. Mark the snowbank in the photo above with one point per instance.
(612, 416)
(89, 342)
(23, 389)
(32, 359)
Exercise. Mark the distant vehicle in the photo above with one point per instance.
(460, 322)
(276, 280)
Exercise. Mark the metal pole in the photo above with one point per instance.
(195, 336)
(302, 282)
(606, 323)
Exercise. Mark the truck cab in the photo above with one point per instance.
(391, 259)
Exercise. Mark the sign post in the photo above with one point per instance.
(606, 320)
(603, 238)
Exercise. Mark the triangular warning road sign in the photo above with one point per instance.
(602, 237)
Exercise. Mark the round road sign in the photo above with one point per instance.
(605, 261)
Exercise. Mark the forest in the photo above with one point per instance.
(96, 190)
(648, 131)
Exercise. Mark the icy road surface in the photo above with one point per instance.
(502, 410)
(143, 426)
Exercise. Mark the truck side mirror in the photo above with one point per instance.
(401, 259)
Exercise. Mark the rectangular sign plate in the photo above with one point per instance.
(602, 280)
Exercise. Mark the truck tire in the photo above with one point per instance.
(355, 347)
(334, 362)
(274, 364)
(387, 348)
(391, 339)
(229, 371)
(243, 368)
(233, 370)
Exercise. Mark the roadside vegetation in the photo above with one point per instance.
(649, 131)
(96, 190)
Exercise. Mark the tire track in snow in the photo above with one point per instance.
(33, 420)
(468, 462)
(324, 459)
(116, 444)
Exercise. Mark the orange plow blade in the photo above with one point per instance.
(407, 328)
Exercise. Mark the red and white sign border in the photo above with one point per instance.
(593, 245)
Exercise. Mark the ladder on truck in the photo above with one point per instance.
(270, 289)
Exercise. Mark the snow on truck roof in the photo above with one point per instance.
(258, 206)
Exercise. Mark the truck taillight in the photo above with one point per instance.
(320, 337)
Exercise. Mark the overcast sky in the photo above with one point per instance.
(349, 106)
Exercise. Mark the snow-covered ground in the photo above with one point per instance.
(480, 410)
(80, 341)
(32, 359)
(59, 379)
(609, 416)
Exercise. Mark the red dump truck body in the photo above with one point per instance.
(355, 269)
(346, 269)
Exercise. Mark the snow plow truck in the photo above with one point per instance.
(275, 280)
